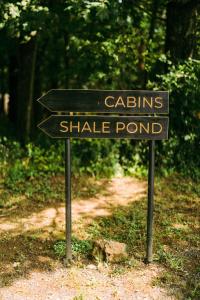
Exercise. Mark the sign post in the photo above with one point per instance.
(129, 102)
(68, 213)
(150, 203)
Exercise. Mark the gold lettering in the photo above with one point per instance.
(139, 100)
(120, 102)
(158, 102)
(74, 126)
(132, 125)
(94, 128)
(131, 102)
(159, 128)
(106, 101)
(145, 100)
(106, 127)
(119, 126)
(86, 127)
(142, 126)
(63, 124)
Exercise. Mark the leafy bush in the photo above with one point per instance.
(19, 164)
(181, 151)
(94, 157)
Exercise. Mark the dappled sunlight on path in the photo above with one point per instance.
(118, 191)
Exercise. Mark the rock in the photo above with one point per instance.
(109, 251)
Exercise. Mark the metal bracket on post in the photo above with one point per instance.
(149, 253)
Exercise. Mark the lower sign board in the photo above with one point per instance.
(132, 127)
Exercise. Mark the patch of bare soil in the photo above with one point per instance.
(28, 266)
(90, 284)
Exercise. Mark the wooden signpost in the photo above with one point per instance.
(65, 126)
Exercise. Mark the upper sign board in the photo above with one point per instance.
(107, 101)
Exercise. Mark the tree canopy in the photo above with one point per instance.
(105, 44)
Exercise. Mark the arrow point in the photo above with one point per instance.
(43, 128)
(42, 98)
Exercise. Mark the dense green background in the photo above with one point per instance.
(127, 44)
(102, 44)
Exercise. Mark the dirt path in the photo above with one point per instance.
(31, 273)
(90, 284)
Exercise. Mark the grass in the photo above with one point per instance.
(176, 228)
(176, 232)
(79, 247)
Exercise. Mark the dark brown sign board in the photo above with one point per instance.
(131, 127)
(106, 101)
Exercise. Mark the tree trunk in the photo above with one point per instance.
(181, 29)
(27, 62)
(13, 83)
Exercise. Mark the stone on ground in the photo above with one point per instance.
(109, 251)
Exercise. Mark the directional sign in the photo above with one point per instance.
(106, 126)
(61, 126)
(107, 101)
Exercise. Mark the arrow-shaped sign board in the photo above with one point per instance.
(107, 101)
(132, 127)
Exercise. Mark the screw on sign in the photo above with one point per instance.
(129, 102)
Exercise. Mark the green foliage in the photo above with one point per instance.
(20, 164)
(175, 262)
(133, 157)
(107, 45)
(82, 247)
(23, 19)
(95, 157)
(180, 152)
(60, 249)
